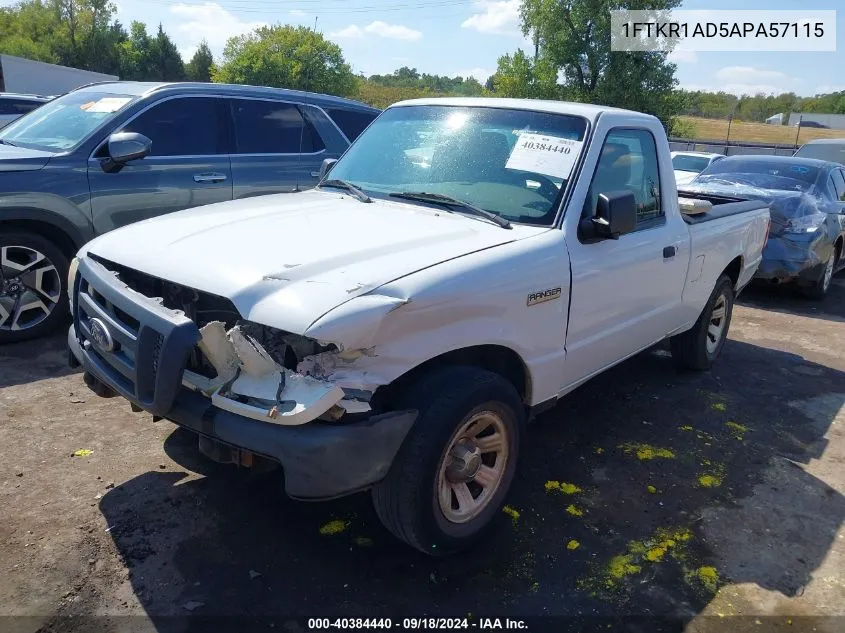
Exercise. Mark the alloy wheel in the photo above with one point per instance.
(30, 287)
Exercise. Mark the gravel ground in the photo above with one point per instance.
(646, 492)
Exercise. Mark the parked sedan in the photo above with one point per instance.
(688, 165)
(110, 154)
(832, 149)
(807, 198)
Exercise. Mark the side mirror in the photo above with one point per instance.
(616, 214)
(326, 167)
(124, 147)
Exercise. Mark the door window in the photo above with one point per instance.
(838, 184)
(189, 126)
(267, 127)
(628, 162)
(351, 122)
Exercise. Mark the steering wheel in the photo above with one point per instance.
(547, 189)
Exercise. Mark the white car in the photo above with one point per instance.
(688, 165)
(396, 327)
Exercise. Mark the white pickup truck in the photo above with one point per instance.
(463, 266)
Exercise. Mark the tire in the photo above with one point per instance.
(33, 271)
(696, 348)
(818, 289)
(409, 501)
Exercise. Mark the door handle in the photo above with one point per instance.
(669, 251)
(315, 174)
(209, 177)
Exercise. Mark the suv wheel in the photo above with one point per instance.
(449, 480)
(33, 297)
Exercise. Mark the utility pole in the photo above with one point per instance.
(798, 132)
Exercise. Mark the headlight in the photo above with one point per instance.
(71, 278)
(805, 223)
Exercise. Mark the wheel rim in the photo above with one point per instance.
(828, 272)
(716, 326)
(472, 467)
(30, 287)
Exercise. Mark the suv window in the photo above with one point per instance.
(628, 163)
(838, 184)
(267, 127)
(18, 106)
(351, 122)
(187, 126)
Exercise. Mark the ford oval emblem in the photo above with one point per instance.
(100, 335)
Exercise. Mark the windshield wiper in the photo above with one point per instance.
(348, 186)
(439, 198)
(4, 142)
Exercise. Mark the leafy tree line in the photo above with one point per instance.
(85, 34)
(570, 59)
(721, 105)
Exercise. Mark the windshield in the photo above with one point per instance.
(765, 174)
(834, 152)
(64, 123)
(685, 162)
(513, 163)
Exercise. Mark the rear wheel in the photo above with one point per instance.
(818, 289)
(700, 346)
(450, 478)
(33, 273)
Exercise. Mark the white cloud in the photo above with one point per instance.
(208, 21)
(379, 29)
(495, 16)
(393, 31)
(298, 12)
(744, 74)
(351, 31)
(828, 88)
(682, 56)
(748, 80)
(480, 74)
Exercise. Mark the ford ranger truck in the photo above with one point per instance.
(465, 264)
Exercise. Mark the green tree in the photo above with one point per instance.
(573, 38)
(31, 30)
(136, 54)
(167, 63)
(201, 64)
(286, 57)
(520, 76)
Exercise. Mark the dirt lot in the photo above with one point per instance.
(646, 492)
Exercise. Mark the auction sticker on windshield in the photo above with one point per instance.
(106, 104)
(548, 155)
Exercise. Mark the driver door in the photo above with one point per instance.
(188, 166)
(626, 293)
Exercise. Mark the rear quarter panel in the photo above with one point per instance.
(715, 245)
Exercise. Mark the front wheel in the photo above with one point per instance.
(450, 478)
(33, 273)
(700, 346)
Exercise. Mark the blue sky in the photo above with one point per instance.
(466, 37)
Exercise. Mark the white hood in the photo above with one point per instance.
(297, 256)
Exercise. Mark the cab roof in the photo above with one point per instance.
(588, 111)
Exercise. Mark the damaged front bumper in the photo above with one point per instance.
(139, 349)
(794, 258)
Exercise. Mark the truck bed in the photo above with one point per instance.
(723, 207)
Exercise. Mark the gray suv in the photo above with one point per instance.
(114, 153)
